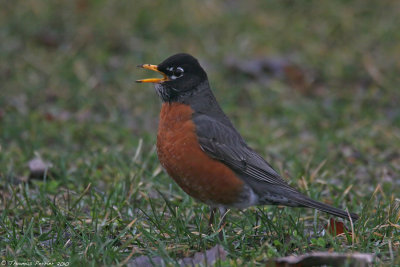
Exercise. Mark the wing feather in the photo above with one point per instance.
(224, 143)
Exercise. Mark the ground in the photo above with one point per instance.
(320, 103)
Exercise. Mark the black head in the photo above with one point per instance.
(182, 74)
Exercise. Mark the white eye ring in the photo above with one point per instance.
(177, 73)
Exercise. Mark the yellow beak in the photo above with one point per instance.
(152, 80)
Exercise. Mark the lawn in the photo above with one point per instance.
(324, 110)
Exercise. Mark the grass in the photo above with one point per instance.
(67, 71)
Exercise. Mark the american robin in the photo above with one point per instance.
(203, 152)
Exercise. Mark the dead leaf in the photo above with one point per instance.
(373, 70)
(48, 116)
(324, 259)
(335, 228)
(82, 5)
(48, 38)
(267, 68)
(38, 168)
(207, 258)
(57, 115)
(350, 154)
(145, 261)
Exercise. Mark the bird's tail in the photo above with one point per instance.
(308, 202)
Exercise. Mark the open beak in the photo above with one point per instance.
(152, 80)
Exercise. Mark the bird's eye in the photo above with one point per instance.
(178, 72)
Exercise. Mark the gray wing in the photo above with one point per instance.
(224, 143)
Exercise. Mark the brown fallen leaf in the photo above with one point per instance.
(267, 68)
(48, 38)
(48, 116)
(38, 168)
(350, 154)
(82, 5)
(324, 259)
(373, 70)
(335, 228)
(206, 258)
(59, 115)
(145, 261)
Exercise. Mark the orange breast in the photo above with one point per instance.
(179, 152)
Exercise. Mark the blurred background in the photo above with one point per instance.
(309, 84)
(279, 69)
(298, 79)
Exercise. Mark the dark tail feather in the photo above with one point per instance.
(308, 202)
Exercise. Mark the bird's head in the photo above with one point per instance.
(182, 74)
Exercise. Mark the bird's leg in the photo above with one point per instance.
(257, 220)
(212, 214)
(223, 212)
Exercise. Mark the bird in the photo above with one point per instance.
(201, 150)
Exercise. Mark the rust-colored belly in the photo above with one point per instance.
(179, 152)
